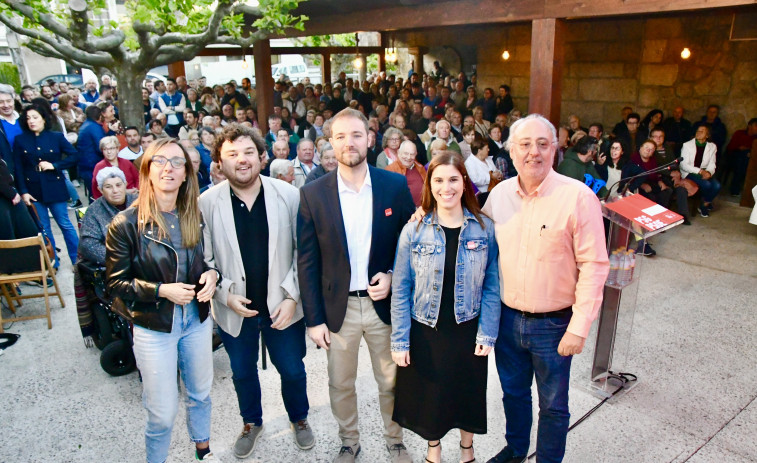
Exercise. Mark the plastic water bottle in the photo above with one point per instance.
(612, 278)
(632, 255)
(624, 271)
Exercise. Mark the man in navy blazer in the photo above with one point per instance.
(347, 230)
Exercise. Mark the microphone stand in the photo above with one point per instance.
(667, 166)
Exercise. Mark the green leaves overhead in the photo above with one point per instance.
(276, 17)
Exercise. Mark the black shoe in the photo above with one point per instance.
(703, 211)
(217, 342)
(506, 456)
(645, 250)
(686, 221)
(75, 205)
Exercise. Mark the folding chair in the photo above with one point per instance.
(26, 259)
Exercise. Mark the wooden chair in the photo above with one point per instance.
(18, 263)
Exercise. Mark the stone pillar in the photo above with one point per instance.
(547, 60)
(417, 54)
(261, 51)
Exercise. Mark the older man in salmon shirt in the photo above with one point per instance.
(553, 266)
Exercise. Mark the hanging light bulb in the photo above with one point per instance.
(244, 64)
(505, 55)
(686, 53)
(358, 62)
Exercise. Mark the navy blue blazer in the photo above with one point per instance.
(29, 150)
(323, 261)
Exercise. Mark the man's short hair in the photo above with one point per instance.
(657, 129)
(751, 121)
(303, 141)
(351, 113)
(231, 132)
(280, 167)
(585, 144)
(148, 135)
(171, 79)
(599, 127)
(274, 117)
(194, 113)
(105, 88)
(633, 116)
(516, 126)
(6, 89)
(93, 112)
(131, 127)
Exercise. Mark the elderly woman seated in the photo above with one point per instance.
(111, 182)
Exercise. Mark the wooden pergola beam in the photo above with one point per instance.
(464, 12)
(237, 51)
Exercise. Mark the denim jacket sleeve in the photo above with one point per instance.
(402, 291)
(491, 309)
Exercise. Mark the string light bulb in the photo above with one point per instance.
(358, 62)
(505, 55)
(686, 53)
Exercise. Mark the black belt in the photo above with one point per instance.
(562, 313)
(359, 293)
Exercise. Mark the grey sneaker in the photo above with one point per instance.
(347, 454)
(398, 453)
(303, 435)
(245, 444)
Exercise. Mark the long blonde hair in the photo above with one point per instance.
(186, 202)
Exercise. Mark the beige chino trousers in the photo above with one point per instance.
(361, 321)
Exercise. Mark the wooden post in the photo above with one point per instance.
(547, 59)
(381, 56)
(326, 68)
(176, 69)
(261, 51)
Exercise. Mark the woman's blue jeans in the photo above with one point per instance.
(709, 188)
(60, 214)
(188, 348)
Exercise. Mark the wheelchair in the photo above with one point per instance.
(112, 333)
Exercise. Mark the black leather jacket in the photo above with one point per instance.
(135, 263)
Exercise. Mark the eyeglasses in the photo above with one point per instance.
(541, 145)
(176, 162)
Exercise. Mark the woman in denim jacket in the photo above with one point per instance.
(445, 311)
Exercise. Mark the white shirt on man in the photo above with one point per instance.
(130, 155)
(357, 213)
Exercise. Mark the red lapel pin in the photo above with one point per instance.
(388, 212)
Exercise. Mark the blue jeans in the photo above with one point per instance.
(286, 348)
(187, 347)
(709, 188)
(527, 347)
(60, 214)
(70, 187)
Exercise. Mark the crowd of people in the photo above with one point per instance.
(363, 212)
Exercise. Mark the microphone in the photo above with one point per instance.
(668, 166)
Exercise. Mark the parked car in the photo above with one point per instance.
(73, 79)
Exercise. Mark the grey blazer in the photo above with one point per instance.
(282, 202)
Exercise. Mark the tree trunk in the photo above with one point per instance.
(130, 109)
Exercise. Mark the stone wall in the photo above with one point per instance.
(611, 63)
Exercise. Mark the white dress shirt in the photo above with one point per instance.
(357, 213)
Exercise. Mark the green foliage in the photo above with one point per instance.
(9, 75)
(331, 40)
(276, 17)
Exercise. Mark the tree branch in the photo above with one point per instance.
(63, 48)
(46, 20)
(211, 31)
(44, 49)
(244, 42)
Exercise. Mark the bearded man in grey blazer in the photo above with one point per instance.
(250, 237)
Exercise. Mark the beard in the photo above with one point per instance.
(352, 158)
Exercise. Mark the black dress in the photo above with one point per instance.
(444, 387)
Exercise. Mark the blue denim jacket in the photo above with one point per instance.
(419, 272)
